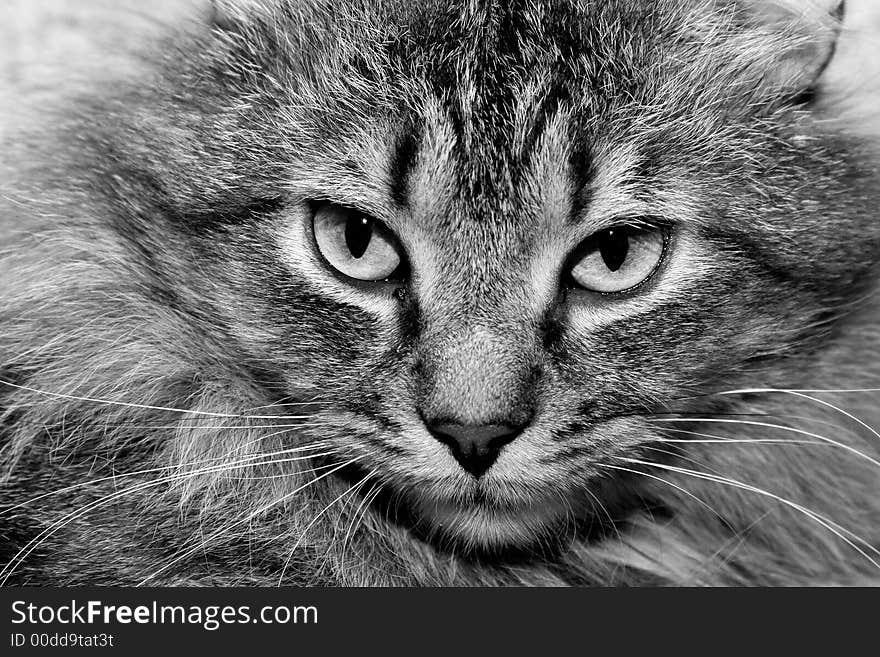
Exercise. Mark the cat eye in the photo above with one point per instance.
(356, 245)
(619, 258)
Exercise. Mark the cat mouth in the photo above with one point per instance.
(484, 529)
(485, 524)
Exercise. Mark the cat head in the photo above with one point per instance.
(490, 241)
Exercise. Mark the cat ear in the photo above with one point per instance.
(806, 30)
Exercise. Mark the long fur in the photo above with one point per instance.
(183, 403)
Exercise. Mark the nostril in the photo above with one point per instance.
(474, 446)
(482, 436)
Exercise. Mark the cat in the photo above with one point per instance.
(380, 292)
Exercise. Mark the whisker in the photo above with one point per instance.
(782, 427)
(749, 391)
(248, 518)
(596, 501)
(358, 517)
(777, 416)
(802, 395)
(317, 517)
(715, 439)
(838, 410)
(678, 456)
(682, 490)
(830, 525)
(182, 424)
(734, 542)
(35, 542)
(180, 466)
(169, 409)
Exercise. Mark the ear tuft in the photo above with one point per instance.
(806, 32)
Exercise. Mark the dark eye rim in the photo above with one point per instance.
(398, 277)
(648, 224)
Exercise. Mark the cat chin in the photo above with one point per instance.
(485, 530)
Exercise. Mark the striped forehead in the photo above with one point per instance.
(487, 79)
(491, 159)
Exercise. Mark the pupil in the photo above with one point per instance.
(358, 233)
(614, 247)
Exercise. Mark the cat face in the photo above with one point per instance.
(490, 244)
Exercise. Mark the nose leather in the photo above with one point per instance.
(475, 446)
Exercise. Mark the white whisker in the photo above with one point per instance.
(180, 466)
(357, 518)
(802, 394)
(828, 524)
(668, 483)
(186, 553)
(317, 517)
(770, 425)
(169, 409)
(735, 542)
(715, 439)
(35, 542)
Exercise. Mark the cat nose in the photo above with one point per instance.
(474, 446)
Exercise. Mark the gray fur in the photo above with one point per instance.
(148, 305)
